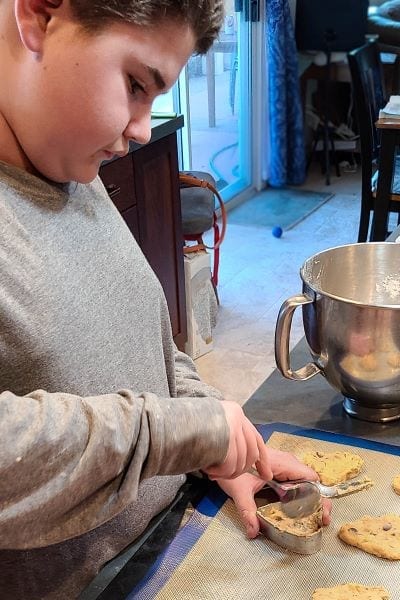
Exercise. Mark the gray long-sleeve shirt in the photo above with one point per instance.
(99, 413)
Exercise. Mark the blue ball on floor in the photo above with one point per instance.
(277, 231)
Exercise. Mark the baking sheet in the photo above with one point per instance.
(223, 564)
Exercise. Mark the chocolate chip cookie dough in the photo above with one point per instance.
(351, 591)
(376, 535)
(300, 526)
(396, 484)
(334, 467)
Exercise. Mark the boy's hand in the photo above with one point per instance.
(242, 490)
(246, 447)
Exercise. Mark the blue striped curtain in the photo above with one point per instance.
(287, 153)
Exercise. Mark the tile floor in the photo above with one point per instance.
(257, 273)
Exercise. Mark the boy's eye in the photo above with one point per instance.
(135, 86)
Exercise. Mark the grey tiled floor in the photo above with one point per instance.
(257, 273)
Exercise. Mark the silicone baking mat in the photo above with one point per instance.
(210, 558)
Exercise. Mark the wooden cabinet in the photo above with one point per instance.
(144, 187)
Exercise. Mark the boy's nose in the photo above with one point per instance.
(139, 128)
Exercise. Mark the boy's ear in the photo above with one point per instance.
(32, 17)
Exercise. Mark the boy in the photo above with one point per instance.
(100, 414)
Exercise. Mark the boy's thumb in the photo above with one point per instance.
(246, 507)
(250, 521)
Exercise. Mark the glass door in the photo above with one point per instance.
(215, 96)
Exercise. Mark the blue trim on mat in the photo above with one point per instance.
(186, 538)
(210, 504)
(339, 438)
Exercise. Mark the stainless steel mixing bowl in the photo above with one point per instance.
(351, 319)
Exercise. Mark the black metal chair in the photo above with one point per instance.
(369, 97)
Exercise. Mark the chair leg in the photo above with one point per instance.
(364, 223)
(214, 275)
(315, 142)
(334, 154)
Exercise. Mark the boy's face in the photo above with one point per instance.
(84, 97)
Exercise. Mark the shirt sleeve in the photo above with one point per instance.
(69, 464)
(188, 382)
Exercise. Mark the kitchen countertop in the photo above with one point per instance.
(310, 404)
(159, 129)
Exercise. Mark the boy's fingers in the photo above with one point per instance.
(263, 464)
(252, 452)
(250, 521)
(287, 466)
(327, 507)
(246, 506)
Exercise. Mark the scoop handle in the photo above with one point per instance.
(282, 340)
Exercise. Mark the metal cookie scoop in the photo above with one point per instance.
(298, 499)
(302, 498)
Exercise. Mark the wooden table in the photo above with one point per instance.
(390, 139)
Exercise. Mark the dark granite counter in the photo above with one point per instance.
(160, 128)
(313, 403)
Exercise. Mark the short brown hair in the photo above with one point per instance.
(204, 17)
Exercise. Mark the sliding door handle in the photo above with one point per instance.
(251, 10)
(254, 11)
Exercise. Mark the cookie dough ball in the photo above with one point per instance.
(351, 591)
(393, 360)
(334, 467)
(368, 362)
(376, 535)
(396, 484)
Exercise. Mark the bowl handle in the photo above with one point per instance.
(282, 338)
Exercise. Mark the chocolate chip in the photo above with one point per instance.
(387, 526)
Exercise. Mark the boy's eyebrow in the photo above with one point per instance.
(157, 77)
